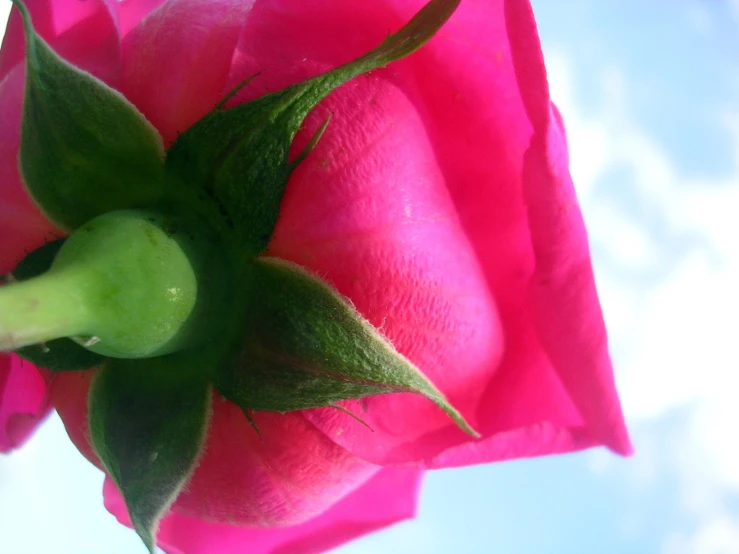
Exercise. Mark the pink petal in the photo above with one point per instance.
(68, 392)
(176, 60)
(133, 11)
(290, 474)
(22, 225)
(414, 205)
(389, 497)
(562, 293)
(371, 212)
(80, 30)
(23, 401)
(286, 475)
(407, 265)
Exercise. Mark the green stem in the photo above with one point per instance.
(127, 279)
(41, 309)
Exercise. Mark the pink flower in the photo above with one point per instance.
(438, 201)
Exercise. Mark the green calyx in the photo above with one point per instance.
(163, 284)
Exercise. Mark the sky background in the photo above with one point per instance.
(650, 94)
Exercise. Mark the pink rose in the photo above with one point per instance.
(438, 201)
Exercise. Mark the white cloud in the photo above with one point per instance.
(680, 348)
(4, 12)
(675, 339)
(720, 536)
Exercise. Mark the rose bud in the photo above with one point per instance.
(298, 252)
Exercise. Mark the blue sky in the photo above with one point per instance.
(650, 95)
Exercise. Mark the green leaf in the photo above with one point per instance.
(305, 346)
(85, 150)
(148, 423)
(60, 354)
(238, 157)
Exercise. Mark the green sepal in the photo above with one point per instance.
(305, 346)
(148, 424)
(59, 354)
(238, 157)
(85, 149)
